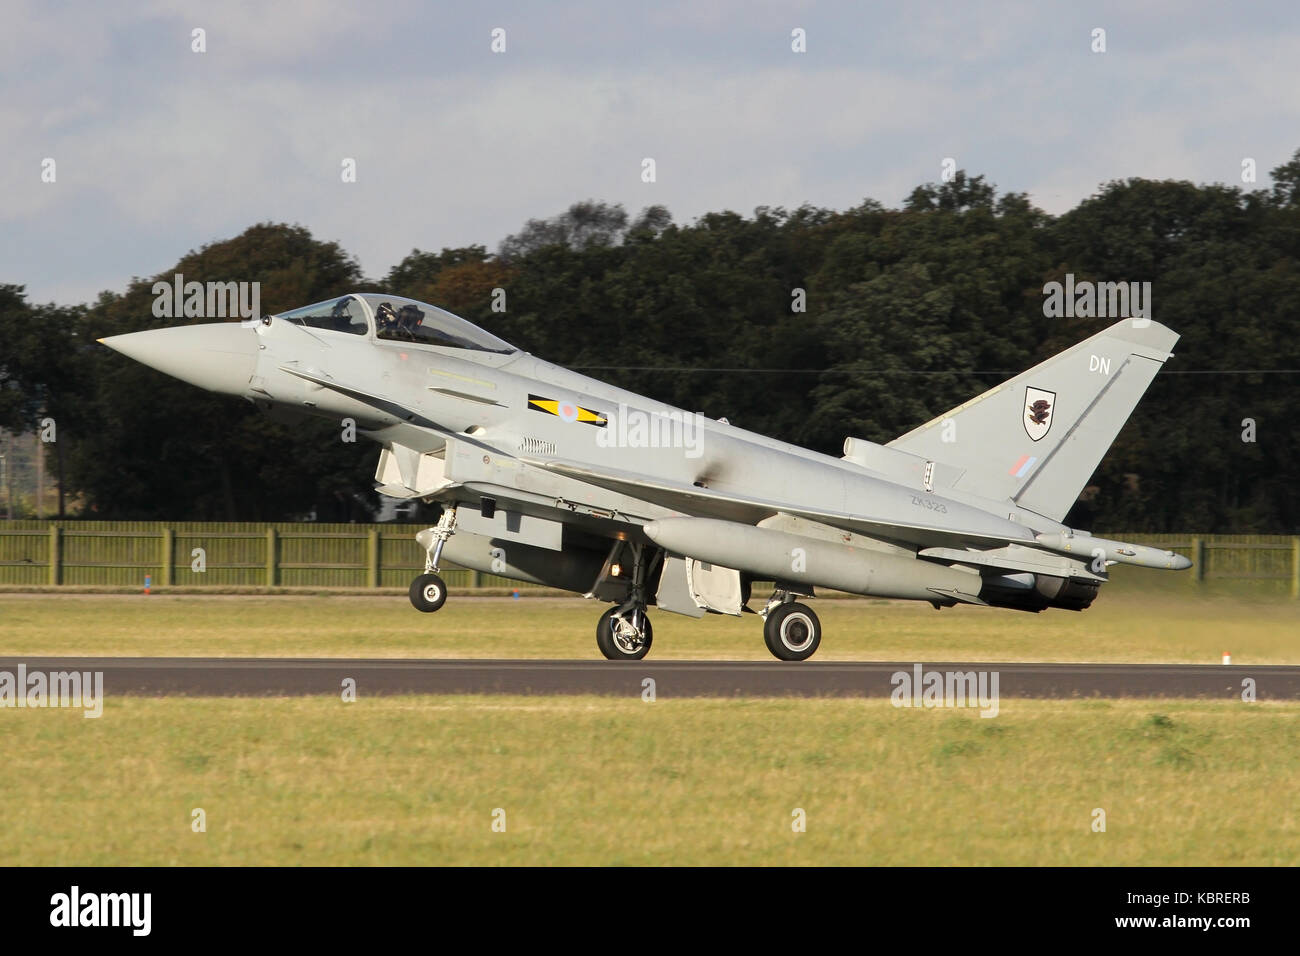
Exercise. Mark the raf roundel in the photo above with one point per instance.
(567, 411)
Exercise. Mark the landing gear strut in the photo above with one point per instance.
(429, 591)
(623, 633)
(791, 630)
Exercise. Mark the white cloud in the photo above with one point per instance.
(161, 150)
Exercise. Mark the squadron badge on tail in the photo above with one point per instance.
(1038, 412)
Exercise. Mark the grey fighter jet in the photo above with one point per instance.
(551, 477)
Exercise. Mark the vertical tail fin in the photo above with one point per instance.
(1038, 437)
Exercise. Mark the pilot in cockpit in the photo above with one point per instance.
(409, 319)
(386, 320)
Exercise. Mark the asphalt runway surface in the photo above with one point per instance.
(254, 677)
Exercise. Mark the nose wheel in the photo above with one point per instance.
(428, 593)
(623, 634)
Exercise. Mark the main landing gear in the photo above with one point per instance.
(429, 591)
(791, 630)
(624, 633)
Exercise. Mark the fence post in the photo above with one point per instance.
(56, 554)
(1295, 568)
(272, 557)
(372, 559)
(478, 579)
(1198, 560)
(168, 553)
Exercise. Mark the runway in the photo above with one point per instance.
(227, 676)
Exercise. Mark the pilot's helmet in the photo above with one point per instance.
(385, 315)
(340, 310)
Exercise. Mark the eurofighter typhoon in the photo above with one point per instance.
(553, 478)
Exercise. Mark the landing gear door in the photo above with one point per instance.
(714, 587)
(674, 592)
(404, 472)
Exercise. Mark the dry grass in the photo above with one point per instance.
(1130, 624)
(415, 780)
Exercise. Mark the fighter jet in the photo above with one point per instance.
(550, 477)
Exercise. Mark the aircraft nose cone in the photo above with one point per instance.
(220, 356)
(1180, 563)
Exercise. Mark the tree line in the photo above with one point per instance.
(808, 325)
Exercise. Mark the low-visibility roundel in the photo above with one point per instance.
(567, 411)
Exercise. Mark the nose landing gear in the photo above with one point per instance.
(428, 592)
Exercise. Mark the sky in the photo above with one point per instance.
(159, 149)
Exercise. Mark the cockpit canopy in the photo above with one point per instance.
(397, 319)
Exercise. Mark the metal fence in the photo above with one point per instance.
(238, 554)
(123, 553)
(1239, 557)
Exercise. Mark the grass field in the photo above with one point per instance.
(1133, 624)
(588, 780)
(416, 780)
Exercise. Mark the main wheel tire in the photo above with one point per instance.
(615, 648)
(792, 632)
(428, 593)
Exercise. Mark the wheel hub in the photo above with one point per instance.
(627, 637)
(796, 632)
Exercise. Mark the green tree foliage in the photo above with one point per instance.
(42, 354)
(915, 306)
(807, 325)
(147, 446)
(582, 225)
(1224, 274)
(39, 361)
(416, 275)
